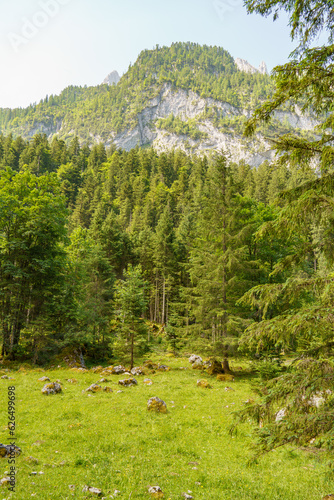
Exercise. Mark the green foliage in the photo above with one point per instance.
(268, 369)
(130, 304)
(180, 127)
(32, 228)
(296, 313)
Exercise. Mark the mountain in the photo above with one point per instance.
(243, 65)
(112, 79)
(185, 96)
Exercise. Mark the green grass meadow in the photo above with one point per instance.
(110, 441)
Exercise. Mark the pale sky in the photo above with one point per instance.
(46, 45)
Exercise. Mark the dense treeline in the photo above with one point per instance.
(75, 221)
(103, 110)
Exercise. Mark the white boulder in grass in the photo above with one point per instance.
(155, 492)
(93, 490)
(137, 371)
(195, 359)
(52, 388)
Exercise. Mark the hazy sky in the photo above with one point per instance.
(46, 45)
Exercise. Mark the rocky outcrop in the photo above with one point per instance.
(244, 65)
(188, 105)
(112, 79)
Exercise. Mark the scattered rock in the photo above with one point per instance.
(163, 368)
(72, 487)
(226, 377)
(155, 492)
(5, 377)
(215, 367)
(193, 358)
(107, 389)
(94, 388)
(197, 365)
(97, 369)
(7, 450)
(249, 401)
(148, 381)
(157, 404)
(228, 389)
(81, 370)
(72, 380)
(137, 371)
(107, 371)
(128, 374)
(204, 383)
(128, 382)
(52, 388)
(150, 365)
(4, 481)
(119, 392)
(91, 489)
(319, 398)
(187, 496)
(117, 370)
(280, 415)
(44, 379)
(103, 381)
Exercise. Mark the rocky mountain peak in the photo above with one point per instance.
(244, 65)
(263, 68)
(112, 79)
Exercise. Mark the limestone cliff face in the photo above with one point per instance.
(188, 105)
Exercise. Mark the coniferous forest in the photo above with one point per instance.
(117, 253)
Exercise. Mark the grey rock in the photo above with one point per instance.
(136, 371)
(128, 382)
(52, 388)
(112, 79)
(195, 359)
(91, 489)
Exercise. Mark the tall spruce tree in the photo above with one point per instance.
(303, 304)
(219, 264)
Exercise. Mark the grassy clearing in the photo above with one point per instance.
(111, 441)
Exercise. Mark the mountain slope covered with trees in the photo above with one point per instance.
(186, 96)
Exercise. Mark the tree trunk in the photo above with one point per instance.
(156, 298)
(163, 301)
(6, 340)
(226, 366)
(132, 346)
